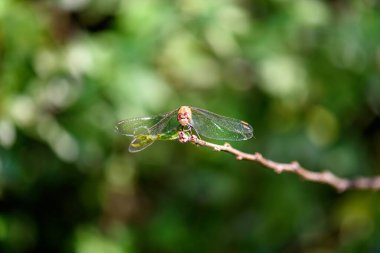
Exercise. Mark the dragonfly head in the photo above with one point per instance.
(184, 115)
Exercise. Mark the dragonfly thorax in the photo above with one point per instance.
(184, 115)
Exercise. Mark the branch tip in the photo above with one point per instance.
(258, 156)
(325, 177)
(217, 149)
(295, 165)
(278, 169)
(227, 145)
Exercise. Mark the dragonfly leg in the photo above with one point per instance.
(183, 137)
(185, 130)
(196, 132)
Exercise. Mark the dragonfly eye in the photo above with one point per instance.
(183, 119)
(183, 115)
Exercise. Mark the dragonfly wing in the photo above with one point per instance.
(143, 141)
(140, 142)
(167, 124)
(143, 125)
(165, 129)
(214, 126)
(135, 126)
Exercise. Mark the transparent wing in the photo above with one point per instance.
(134, 126)
(144, 125)
(167, 124)
(140, 142)
(214, 126)
(143, 141)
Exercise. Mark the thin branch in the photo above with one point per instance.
(324, 177)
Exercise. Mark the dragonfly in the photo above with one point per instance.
(180, 124)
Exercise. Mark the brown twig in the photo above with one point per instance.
(324, 177)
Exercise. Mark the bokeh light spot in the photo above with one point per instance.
(322, 126)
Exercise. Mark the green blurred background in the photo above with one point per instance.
(305, 74)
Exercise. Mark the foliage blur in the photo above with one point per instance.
(305, 74)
